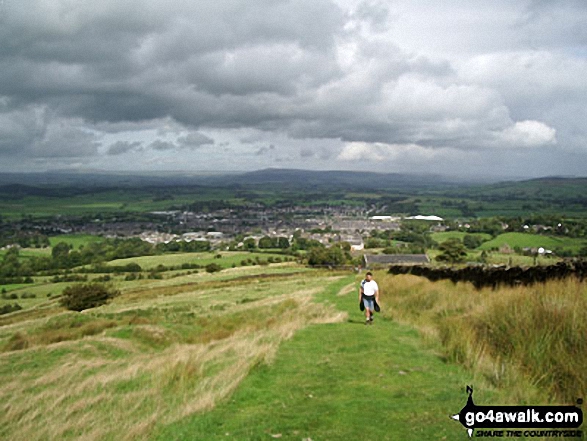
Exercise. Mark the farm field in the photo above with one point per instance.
(75, 240)
(25, 253)
(227, 259)
(445, 235)
(533, 240)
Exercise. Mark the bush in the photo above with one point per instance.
(213, 267)
(5, 309)
(88, 295)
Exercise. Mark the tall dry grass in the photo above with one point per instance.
(529, 340)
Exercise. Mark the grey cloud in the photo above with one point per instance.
(162, 145)
(35, 132)
(306, 70)
(264, 150)
(20, 128)
(375, 13)
(121, 147)
(64, 140)
(306, 152)
(322, 153)
(194, 140)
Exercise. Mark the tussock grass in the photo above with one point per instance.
(531, 340)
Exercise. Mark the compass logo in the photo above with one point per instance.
(520, 417)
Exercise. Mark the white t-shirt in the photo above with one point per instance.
(369, 288)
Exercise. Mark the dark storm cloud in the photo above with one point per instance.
(20, 128)
(485, 76)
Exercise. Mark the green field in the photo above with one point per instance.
(227, 259)
(75, 240)
(110, 201)
(25, 253)
(533, 240)
(445, 235)
(521, 240)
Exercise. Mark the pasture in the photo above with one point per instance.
(265, 353)
(281, 351)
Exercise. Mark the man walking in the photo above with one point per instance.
(368, 294)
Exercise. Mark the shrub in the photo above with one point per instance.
(213, 267)
(87, 295)
(5, 309)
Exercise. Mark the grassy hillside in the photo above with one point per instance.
(340, 381)
(226, 260)
(75, 240)
(154, 362)
(445, 235)
(151, 357)
(533, 240)
(282, 351)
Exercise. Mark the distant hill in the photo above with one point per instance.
(282, 177)
(37, 183)
(335, 179)
(542, 188)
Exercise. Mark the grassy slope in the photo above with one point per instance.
(532, 240)
(228, 259)
(153, 355)
(445, 235)
(206, 355)
(340, 381)
(75, 240)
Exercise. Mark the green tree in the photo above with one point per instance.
(453, 251)
(472, 241)
(60, 250)
(326, 256)
(267, 242)
(249, 244)
(282, 242)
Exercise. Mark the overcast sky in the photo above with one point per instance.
(467, 88)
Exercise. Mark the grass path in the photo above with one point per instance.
(340, 381)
